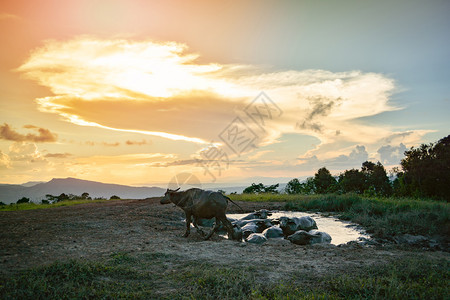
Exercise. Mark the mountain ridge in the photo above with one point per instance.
(11, 193)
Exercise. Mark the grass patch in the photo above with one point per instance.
(28, 206)
(382, 217)
(74, 280)
(410, 278)
(146, 276)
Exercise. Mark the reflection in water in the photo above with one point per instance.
(341, 232)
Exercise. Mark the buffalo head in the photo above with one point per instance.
(166, 198)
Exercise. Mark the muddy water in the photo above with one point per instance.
(341, 232)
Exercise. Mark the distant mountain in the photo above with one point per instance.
(31, 183)
(10, 193)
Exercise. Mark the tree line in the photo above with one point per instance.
(423, 172)
(62, 197)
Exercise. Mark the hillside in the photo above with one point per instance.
(10, 193)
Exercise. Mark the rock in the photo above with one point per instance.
(273, 232)
(319, 237)
(249, 229)
(260, 214)
(237, 233)
(302, 237)
(413, 240)
(256, 238)
(262, 223)
(292, 225)
(307, 223)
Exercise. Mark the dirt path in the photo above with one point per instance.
(95, 230)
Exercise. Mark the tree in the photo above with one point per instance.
(114, 197)
(261, 188)
(293, 187)
(85, 196)
(45, 201)
(380, 180)
(23, 200)
(376, 178)
(254, 189)
(296, 187)
(2, 204)
(324, 182)
(271, 189)
(426, 170)
(308, 186)
(51, 198)
(62, 197)
(367, 168)
(222, 192)
(352, 181)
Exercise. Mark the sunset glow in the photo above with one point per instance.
(135, 92)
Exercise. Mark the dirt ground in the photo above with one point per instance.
(96, 230)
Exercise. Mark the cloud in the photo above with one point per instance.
(44, 135)
(408, 137)
(391, 155)
(321, 107)
(116, 144)
(160, 89)
(25, 152)
(6, 16)
(180, 162)
(138, 143)
(125, 159)
(58, 155)
(5, 162)
(355, 158)
(258, 154)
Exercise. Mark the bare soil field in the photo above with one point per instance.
(96, 230)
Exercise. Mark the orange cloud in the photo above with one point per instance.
(58, 155)
(7, 133)
(201, 115)
(159, 89)
(138, 143)
(5, 161)
(125, 159)
(116, 144)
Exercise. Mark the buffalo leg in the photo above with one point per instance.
(188, 225)
(216, 226)
(199, 230)
(229, 228)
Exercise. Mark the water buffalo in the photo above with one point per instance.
(291, 225)
(198, 203)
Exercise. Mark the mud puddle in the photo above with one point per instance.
(341, 232)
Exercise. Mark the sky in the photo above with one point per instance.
(227, 92)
